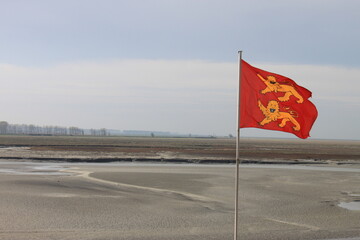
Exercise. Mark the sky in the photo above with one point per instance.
(172, 65)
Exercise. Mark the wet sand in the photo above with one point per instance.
(174, 201)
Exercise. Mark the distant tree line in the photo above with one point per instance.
(30, 129)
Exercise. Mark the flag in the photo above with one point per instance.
(274, 102)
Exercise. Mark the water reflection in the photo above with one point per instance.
(28, 168)
(353, 206)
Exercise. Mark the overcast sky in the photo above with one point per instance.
(171, 65)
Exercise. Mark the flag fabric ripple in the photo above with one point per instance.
(274, 102)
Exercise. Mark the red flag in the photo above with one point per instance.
(274, 102)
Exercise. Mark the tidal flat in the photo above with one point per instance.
(89, 199)
(176, 201)
(177, 150)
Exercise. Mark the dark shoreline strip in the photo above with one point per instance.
(162, 160)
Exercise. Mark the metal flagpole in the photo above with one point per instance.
(237, 153)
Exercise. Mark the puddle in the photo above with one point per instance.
(353, 206)
(14, 148)
(32, 169)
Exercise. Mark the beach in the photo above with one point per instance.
(176, 201)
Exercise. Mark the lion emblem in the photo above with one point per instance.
(273, 86)
(272, 113)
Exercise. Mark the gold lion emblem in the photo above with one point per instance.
(273, 86)
(272, 113)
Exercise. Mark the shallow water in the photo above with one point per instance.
(353, 206)
(51, 168)
(30, 168)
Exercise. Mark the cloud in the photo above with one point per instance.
(331, 83)
(180, 95)
(115, 78)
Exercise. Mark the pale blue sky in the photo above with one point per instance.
(39, 32)
(170, 65)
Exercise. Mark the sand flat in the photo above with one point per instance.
(159, 201)
(190, 150)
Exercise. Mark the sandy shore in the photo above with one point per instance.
(133, 201)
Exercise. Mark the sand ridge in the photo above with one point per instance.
(177, 194)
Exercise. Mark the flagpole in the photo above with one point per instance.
(237, 153)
